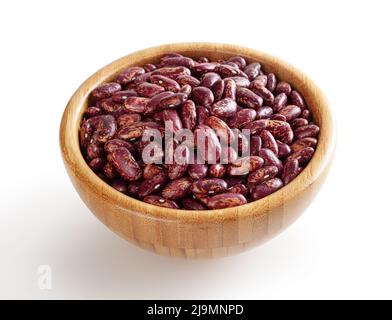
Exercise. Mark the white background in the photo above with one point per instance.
(340, 247)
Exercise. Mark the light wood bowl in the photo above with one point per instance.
(198, 234)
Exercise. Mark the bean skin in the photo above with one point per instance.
(125, 164)
(242, 118)
(230, 89)
(202, 96)
(308, 131)
(198, 171)
(167, 83)
(209, 186)
(303, 143)
(283, 87)
(226, 200)
(188, 115)
(217, 170)
(152, 185)
(266, 188)
(269, 141)
(177, 189)
(161, 202)
(252, 70)
(248, 99)
(263, 174)
(290, 170)
(224, 108)
(192, 204)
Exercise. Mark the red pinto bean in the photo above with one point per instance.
(269, 141)
(290, 170)
(217, 170)
(226, 200)
(192, 204)
(243, 166)
(248, 99)
(198, 171)
(209, 78)
(263, 174)
(129, 75)
(242, 118)
(283, 87)
(125, 164)
(271, 82)
(161, 202)
(177, 189)
(266, 188)
(171, 72)
(167, 83)
(152, 185)
(290, 112)
(230, 89)
(310, 130)
(224, 108)
(252, 70)
(202, 96)
(209, 186)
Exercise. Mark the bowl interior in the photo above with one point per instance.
(313, 97)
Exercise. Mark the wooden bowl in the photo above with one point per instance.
(198, 234)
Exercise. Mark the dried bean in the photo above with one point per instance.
(266, 188)
(217, 170)
(209, 186)
(217, 89)
(290, 112)
(310, 130)
(224, 108)
(269, 141)
(129, 75)
(239, 61)
(298, 122)
(238, 188)
(202, 96)
(290, 170)
(304, 143)
(248, 99)
(209, 78)
(230, 89)
(243, 166)
(264, 112)
(171, 72)
(263, 174)
(161, 202)
(242, 118)
(226, 200)
(177, 189)
(271, 82)
(192, 204)
(125, 164)
(262, 91)
(197, 171)
(252, 70)
(167, 83)
(296, 98)
(120, 185)
(283, 87)
(152, 185)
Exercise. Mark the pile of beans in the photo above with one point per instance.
(204, 97)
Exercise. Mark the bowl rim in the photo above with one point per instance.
(73, 159)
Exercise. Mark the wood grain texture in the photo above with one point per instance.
(198, 234)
